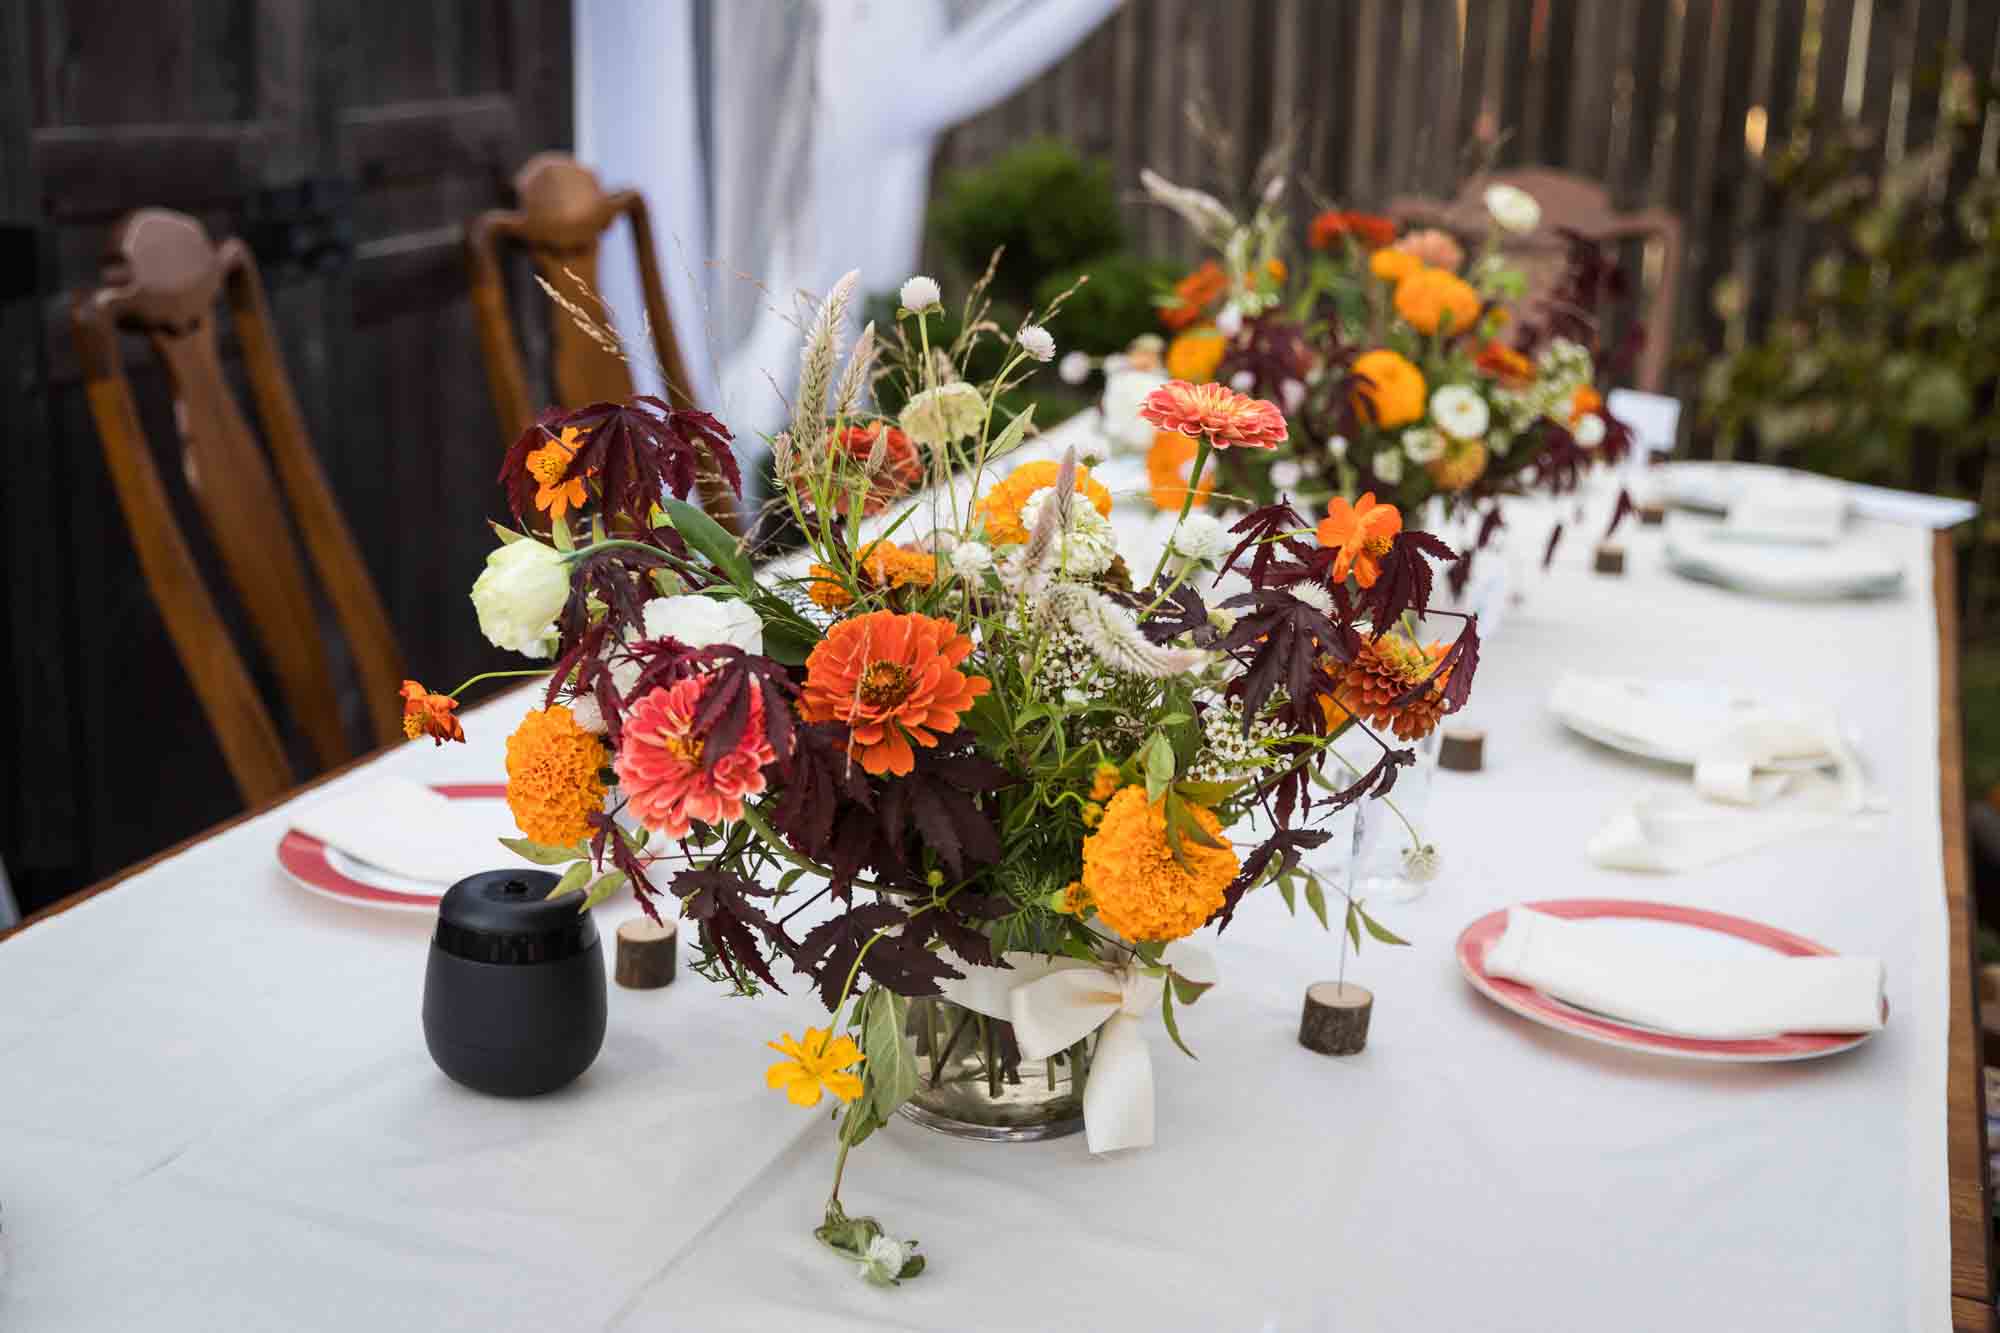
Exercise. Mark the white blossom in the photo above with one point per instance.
(1513, 208)
(1037, 342)
(1086, 545)
(1460, 412)
(1421, 863)
(1389, 466)
(1243, 381)
(1201, 538)
(920, 294)
(971, 559)
(1336, 445)
(1292, 393)
(1589, 432)
(883, 1261)
(1229, 321)
(1286, 473)
(1318, 598)
(700, 622)
(1124, 394)
(939, 416)
(1421, 444)
(1074, 368)
(519, 594)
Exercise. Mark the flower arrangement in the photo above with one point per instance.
(971, 746)
(1405, 367)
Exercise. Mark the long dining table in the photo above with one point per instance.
(217, 1111)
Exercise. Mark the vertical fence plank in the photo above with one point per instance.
(1361, 109)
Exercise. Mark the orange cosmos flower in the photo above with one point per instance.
(1393, 265)
(1370, 229)
(1431, 299)
(548, 465)
(893, 679)
(1194, 294)
(1167, 465)
(1362, 533)
(1389, 387)
(1498, 361)
(1225, 417)
(427, 714)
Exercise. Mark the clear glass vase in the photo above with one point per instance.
(1394, 855)
(973, 1083)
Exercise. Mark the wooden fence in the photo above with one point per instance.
(1669, 102)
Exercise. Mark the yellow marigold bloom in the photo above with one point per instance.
(1001, 506)
(1194, 355)
(812, 1067)
(554, 780)
(1135, 883)
(1431, 299)
(1103, 782)
(1394, 390)
(827, 590)
(1393, 265)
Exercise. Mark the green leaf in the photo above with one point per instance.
(1354, 925)
(1186, 989)
(1316, 899)
(507, 535)
(1378, 930)
(892, 1062)
(1157, 761)
(1285, 891)
(542, 853)
(1016, 430)
(1208, 793)
(1173, 1028)
(787, 641)
(559, 530)
(572, 880)
(603, 889)
(707, 536)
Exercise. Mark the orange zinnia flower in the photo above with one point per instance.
(427, 714)
(1362, 533)
(1372, 230)
(1431, 299)
(1384, 671)
(1194, 294)
(548, 466)
(1215, 411)
(893, 679)
(1167, 472)
(1500, 362)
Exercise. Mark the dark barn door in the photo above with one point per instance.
(348, 140)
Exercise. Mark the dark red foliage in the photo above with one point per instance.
(632, 453)
(1259, 527)
(725, 704)
(1286, 844)
(1618, 515)
(731, 923)
(1284, 639)
(833, 951)
(1404, 583)
(1179, 612)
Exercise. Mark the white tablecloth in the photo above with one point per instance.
(216, 1110)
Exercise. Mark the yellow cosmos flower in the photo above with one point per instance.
(813, 1066)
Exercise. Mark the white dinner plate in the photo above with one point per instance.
(1844, 569)
(1703, 710)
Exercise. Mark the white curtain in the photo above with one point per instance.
(787, 141)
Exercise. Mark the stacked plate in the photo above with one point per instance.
(1843, 569)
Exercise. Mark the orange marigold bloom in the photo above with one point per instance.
(554, 777)
(884, 567)
(1001, 506)
(1133, 879)
(556, 493)
(1393, 265)
(1167, 464)
(1194, 355)
(1583, 402)
(1227, 419)
(1371, 230)
(1362, 532)
(1463, 462)
(1275, 270)
(427, 714)
(1390, 388)
(1431, 300)
(1194, 294)
(1073, 899)
(1498, 361)
(1384, 671)
(893, 679)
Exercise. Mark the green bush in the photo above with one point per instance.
(1049, 207)
(1113, 308)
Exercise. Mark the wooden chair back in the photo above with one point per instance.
(163, 278)
(561, 222)
(1583, 206)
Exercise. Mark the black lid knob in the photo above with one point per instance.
(507, 916)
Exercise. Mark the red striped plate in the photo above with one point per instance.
(312, 867)
(1551, 1012)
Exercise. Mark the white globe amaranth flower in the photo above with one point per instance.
(1292, 394)
(1074, 368)
(1286, 473)
(882, 1263)
(1589, 432)
(1388, 466)
(1087, 545)
(699, 622)
(1229, 321)
(920, 294)
(519, 594)
(1037, 342)
(1201, 538)
(944, 415)
(1336, 445)
(1421, 444)
(1460, 412)
(1124, 394)
(971, 559)
(1513, 208)
(1243, 381)
(1421, 863)
(1318, 598)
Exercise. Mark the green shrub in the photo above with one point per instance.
(1113, 308)
(1049, 207)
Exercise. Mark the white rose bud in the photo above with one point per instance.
(519, 594)
(1037, 342)
(920, 294)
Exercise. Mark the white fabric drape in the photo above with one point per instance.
(821, 117)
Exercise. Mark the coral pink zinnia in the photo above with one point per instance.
(1227, 418)
(660, 761)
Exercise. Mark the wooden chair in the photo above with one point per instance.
(562, 219)
(164, 278)
(1583, 206)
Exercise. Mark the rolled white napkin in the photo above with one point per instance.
(1795, 507)
(410, 830)
(1725, 999)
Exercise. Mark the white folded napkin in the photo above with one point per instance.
(1794, 507)
(407, 829)
(1723, 999)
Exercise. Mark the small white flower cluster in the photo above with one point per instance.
(1422, 444)
(1063, 664)
(1561, 369)
(1226, 753)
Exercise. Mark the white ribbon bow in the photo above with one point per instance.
(1054, 1003)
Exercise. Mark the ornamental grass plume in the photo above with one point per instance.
(1138, 886)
